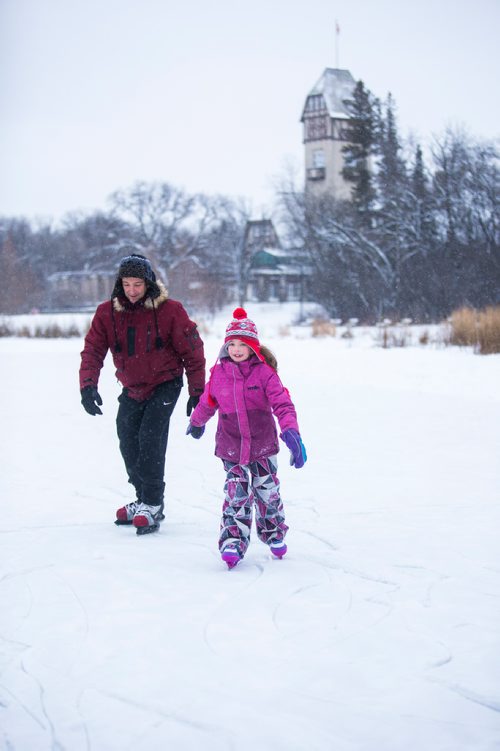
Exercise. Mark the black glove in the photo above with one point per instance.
(195, 430)
(90, 400)
(192, 402)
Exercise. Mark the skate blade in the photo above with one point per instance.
(120, 523)
(280, 552)
(147, 530)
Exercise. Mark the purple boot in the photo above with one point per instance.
(230, 556)
(278, 549)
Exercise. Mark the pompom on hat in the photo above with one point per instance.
(244, 329)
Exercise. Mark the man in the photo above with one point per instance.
(153, 342)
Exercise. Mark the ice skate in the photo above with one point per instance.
(147, 518)
(125, 514)
(278, 549)
(230, 556)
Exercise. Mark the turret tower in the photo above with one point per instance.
(325, 117)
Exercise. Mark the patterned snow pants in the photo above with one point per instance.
(248, 485)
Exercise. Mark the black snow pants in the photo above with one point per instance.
(143, 434)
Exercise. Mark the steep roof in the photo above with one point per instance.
(276, 261)
(336, 85)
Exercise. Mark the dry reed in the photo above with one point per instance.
(463, 324)
(488, 331)
(323, 327)
(478, 329)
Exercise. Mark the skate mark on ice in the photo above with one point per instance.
(80, 605)
(226, 602)
(351, 571)
(438, 578)
(24, 616)
(492, 568)
(195, 506)
(387, 588)
(347, 570)
(100, 498)
(23, 706)
(149, 708)
(381, 599)
(286, 601)
(25, 571)
(55, 744)
(204, 490)
(432, 579)
(329, 545)
(66, 525)
(485, 701)
(85, 726)
(444, 660)
(19, 645)
(304, 507)
(318, 600)
(369, 577)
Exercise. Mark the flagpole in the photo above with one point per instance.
(337, 43)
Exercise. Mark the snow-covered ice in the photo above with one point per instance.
(379, 631)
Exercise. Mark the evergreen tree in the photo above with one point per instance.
(424, 221)
(392, 168)
(359, 151)
(394, 207)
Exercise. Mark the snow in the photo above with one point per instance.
(380, 629)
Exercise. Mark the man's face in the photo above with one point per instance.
(134, 288)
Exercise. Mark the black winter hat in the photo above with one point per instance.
(139, 267)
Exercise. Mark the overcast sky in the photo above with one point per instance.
(96, 94)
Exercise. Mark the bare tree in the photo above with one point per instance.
(159, 215)
(223, 253)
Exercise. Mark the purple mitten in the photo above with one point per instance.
(297, 449)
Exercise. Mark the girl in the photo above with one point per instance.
(244, 387)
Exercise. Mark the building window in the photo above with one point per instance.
(315, 103)
(294, 290)
(274, 289)
(316, 128)
(318, 158)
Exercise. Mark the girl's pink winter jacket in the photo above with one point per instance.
(246, 395)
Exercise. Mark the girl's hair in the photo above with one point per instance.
(269, 357)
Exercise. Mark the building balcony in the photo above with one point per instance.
(316, 173)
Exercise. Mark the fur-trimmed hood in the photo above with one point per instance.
(148, 302)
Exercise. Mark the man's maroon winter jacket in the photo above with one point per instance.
(149, 346)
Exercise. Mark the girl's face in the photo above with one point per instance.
(237, 351)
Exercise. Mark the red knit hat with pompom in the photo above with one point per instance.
(242, 328)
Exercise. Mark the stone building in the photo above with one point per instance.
(78, 290)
